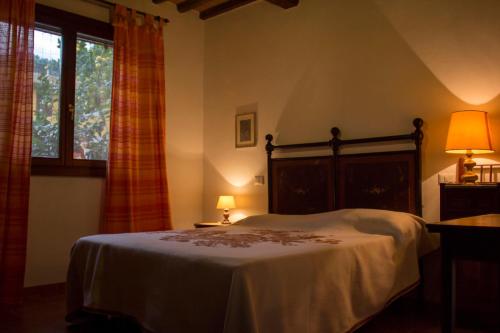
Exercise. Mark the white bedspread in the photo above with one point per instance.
(270, 273)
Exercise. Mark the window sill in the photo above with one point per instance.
(68, 171)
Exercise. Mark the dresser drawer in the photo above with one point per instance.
(462, 201)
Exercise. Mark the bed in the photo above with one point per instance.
(329, 265)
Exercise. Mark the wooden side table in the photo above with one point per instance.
(476, 238)
(210, 224)
(476, 280)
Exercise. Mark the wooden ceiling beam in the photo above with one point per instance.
(284, 3)
(223, 7)
(190, 4)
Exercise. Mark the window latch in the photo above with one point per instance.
(71, 110)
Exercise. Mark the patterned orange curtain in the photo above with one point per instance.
(136, 184)
(16, 98)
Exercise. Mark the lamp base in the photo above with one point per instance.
(469, 177)
(226, 217)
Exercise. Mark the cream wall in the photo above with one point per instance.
(62, 209)
(367, 66)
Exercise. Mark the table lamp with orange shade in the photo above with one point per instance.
(469, 134)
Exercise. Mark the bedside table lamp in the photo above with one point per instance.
(469, 134)
(226, 202)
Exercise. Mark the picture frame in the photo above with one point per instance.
(246, 130)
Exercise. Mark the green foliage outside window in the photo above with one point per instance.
(46, 96)
(94, 72)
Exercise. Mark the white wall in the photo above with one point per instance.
(63, 209)
(367, 66)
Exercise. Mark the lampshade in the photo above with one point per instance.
(225, 202)
(469, 131)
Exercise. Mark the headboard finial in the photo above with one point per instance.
(269, 144)
(418, 123)
(335, 132)
(418, 134)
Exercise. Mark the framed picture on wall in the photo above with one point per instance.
(246, 131)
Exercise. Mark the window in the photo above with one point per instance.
(72, 77)
(46, 94)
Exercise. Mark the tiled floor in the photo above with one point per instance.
(44, 313)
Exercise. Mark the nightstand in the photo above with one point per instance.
(474, 238)
(210, 224)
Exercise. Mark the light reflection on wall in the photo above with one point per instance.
(464, 57)
(238, 178)
(239, 172)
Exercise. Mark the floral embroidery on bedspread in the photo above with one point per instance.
(213, 238)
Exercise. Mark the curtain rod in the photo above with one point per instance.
(110, 5)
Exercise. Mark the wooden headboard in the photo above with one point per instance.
(385, 179)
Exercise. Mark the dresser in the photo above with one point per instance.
(459, 200)
(477, 282)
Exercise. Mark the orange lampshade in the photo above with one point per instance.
(225, 202)
(469, 131)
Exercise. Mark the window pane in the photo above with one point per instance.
(94, 71)
(46, 94)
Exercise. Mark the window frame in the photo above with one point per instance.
(69, 25)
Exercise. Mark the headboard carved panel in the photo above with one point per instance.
(380, 181)
(302, 185)
(383, 180)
